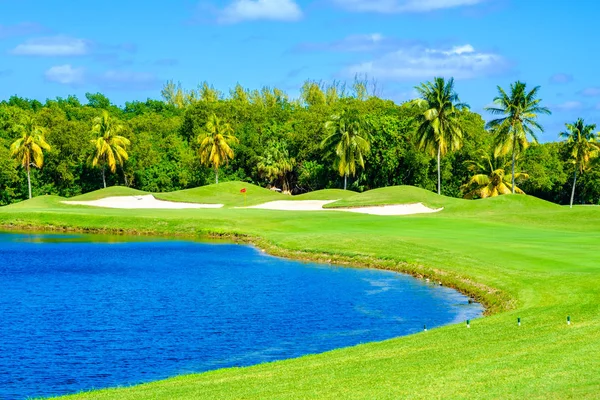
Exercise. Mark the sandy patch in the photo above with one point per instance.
(137, 202)
(294, 205)
(397, 209)
(317, 205)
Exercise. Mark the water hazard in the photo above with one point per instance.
(77, 313)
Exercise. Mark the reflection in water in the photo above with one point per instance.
(81, 312)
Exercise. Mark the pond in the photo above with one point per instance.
(80, 312)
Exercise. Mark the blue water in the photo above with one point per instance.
(77, 314)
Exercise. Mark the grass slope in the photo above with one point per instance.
(396, 195)
(541, 259)
(325, 194)
(227, 193)
(112, 191)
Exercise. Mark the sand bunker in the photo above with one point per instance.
(317, 205)
(294, 205)
(136, 202)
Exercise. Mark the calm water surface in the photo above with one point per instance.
(77, 314)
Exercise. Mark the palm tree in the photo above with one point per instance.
(215, 143)
(583, 145)
(349, 139)
(520, 110)
(110, 145)
(491, 180)
(438, 128)
(276, 164)
(29, 148)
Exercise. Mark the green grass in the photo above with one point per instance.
(524, 257)
(226, 193)
(396, 195)
(108, 192)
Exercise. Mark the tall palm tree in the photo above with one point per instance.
(520, 110)
(349, 139)
(439, 129)
(276, 164)
(583, 145)
(215, 143)
(110, 146)
(29, 148)
(491, 179)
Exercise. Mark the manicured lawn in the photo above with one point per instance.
(524, 257)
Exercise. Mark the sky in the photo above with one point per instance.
(128, 49)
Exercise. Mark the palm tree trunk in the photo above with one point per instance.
(573, 190)
(217, 175)
(29, 181)
(345, 181)
(103, 177)
(439, 156)
(513, 163)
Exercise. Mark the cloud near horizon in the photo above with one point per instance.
(254, 10)
(65, 75)
(402, 6)
(112, 79)
(417, 61)
(20, 29)
(561, 78)
(53, 46)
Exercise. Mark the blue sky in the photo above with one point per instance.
(128, 49)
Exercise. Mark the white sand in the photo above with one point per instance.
(294, 205)
(149, 202)
(317, 205)
(136, 202)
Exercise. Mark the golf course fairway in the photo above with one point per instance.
(520, 256)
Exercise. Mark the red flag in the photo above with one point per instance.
(243, 190)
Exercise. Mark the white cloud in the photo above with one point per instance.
(23, 28)
(353, 43)
(65, 74)
(252, 10)
(401, 6)
(568, 106)
(420, 62)
(127, 80)
(53, 46)
(590, 91)
(561, 78)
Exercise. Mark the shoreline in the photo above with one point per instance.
(493, 300)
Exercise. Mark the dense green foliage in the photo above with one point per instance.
(278, 142)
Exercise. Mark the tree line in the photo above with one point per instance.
(332, 135)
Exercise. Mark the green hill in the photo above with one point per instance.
(227, 193)
(112, 191)
(396, 195)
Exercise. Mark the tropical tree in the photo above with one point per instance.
(349, 139)
(276, 164)
(583, 145)
(439, 129)
(110, 146)
(491, 179)
(215, 143)
(29, 148)
(520, 110)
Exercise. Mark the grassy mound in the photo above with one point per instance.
(325, 194)
(227, 193)
(112, 191)
(40, 202)
(396, 195)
